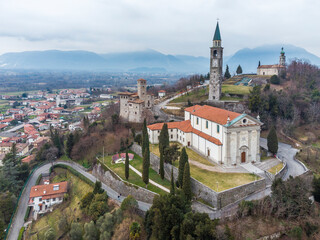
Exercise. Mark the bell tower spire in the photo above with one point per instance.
(216, 59)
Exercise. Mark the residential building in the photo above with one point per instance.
(43, 197)
(161, 93)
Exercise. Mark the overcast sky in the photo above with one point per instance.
(169, 26)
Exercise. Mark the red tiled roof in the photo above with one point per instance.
(213, 114)
(7, 120)
(3, 126)
(27, 159)
(271, 66)
(186, 127)
(47, 190)
(162, 91)
(125, 93)
(141, 80)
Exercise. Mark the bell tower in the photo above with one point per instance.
(216, 57)
(282, 59)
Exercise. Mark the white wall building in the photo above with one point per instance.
(224, 137)
(42, 197)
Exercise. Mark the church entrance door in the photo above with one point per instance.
(243, 157)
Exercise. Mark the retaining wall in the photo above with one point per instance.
(121, 186)
(216, 199)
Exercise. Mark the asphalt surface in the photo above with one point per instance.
(287, 154)
(18, 220)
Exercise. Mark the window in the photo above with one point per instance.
(218, 128)
(197, 120)
(207, 124)
(171, 136)
(158, 131)
(54, 199)
(40, 199)
(244, 120)
(171, 130)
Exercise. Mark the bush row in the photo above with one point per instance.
(21, 233)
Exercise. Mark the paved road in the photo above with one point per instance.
(287, 154)
(18, 220)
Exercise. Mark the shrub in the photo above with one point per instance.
(27, 214)
(21, 233)
(275, 80)
(86, 200)
(129, 203)
(296, 233)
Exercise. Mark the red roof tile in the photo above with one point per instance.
(213, 114)
(47, 190)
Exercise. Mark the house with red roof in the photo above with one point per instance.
(223, 136)
(43, 197)
(161, 93)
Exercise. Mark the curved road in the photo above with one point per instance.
(18, 220)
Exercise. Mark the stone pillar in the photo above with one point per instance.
(237, 150)
(249, 145)
(258, 159)
(227, 157)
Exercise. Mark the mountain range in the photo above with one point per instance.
(147, 60)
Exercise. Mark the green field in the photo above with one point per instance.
(135, 178)
(202, 94)
(16, 93)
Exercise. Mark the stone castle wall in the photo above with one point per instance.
(216, 199)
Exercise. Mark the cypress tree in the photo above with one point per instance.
(182, 162)
(145, 167)
(70, 143)
(172, 187)
(186, 187)
(145, 137)
(239, 70)
(227, 74)
(272, 141)
(259, 64)
(126, 165)
(161, 166)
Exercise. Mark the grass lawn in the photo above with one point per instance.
(219, 181)
(154, 148)
(201, 94)
(69, 209)
(17, 93)
(236, 89)
(135, 178)
(209, 178)
(276, 169)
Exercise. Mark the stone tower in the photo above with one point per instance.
(282, 58)
(216, 57)
(142, 88)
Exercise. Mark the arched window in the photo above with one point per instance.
(215, 53)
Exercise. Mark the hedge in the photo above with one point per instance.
(27, 213)
(74, 172)
(21, 233)
(38, 179)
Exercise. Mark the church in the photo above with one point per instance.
(274, 69)
(133, 106)
(224, 137)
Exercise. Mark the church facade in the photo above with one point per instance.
(224, 137)
(134, 105)
(274, 69)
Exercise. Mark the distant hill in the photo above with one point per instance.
(139, 61)
(147, 60)
(267, 54)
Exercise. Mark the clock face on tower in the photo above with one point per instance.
(215, 63)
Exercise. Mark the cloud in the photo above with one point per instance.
(176, 27)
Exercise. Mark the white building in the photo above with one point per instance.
(161, 93)
(42, 197)
(274, 69)
(224, 137)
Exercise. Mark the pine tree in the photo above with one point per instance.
(186, 187)
(70, 143)
(172, 186)
(182, 162)
(145, 167)
(272, 140)
(127, 165)
(239, 70)
(227, 74)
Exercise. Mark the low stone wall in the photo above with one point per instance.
(282, 172)
(216, 199)
(121, 186)
(237, 193)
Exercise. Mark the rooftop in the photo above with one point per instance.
(49, 189)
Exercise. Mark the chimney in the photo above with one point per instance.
(228, 120)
